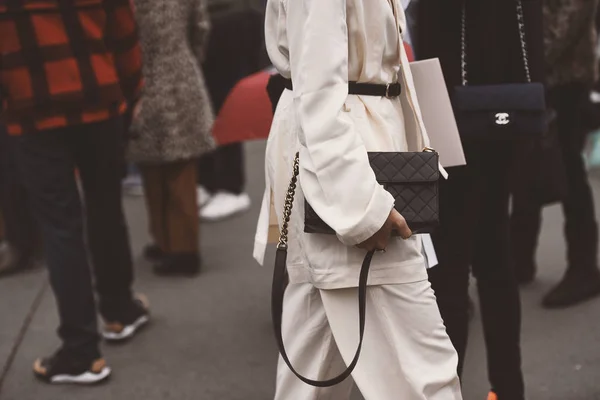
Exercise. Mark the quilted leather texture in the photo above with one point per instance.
(405, 167)
(413, 180)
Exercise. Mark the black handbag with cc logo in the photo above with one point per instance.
(503, 111)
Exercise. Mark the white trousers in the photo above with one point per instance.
(406, 354)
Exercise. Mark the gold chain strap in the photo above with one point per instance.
(289, 204)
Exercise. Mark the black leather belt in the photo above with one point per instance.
(390, 90)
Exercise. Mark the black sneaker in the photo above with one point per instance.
(64, 367)
(131, 321)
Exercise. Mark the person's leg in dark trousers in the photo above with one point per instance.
(207, 172)
(582, 279)
(233, 168)
(21, 231)
(172, 213)
(47, 162)
(99, 158)
(453, 243)
(225, 182)
(223, 169)
(525, 226)
(496, 282)
(467, 204)
(526, 216)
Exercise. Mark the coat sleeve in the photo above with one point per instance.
(335, 175)
(200, 29)
(564, 20)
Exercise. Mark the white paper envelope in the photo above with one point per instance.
(437, 111)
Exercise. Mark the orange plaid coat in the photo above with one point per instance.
(66, 62)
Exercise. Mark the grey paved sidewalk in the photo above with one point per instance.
(211, 337)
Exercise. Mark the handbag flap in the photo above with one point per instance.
(405, 167)
(509, 97)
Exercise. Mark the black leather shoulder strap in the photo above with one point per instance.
(277, 294)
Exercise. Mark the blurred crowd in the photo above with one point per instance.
(131, 110)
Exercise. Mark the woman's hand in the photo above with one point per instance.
(380, 240)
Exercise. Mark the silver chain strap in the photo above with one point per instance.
(523, 39)
(289, 204)
(463, 44)
(524, 51)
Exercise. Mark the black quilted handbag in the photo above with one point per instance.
(412, 178)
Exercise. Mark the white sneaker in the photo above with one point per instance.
(204, 197)
(224, 205)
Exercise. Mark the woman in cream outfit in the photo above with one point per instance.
(321, 45)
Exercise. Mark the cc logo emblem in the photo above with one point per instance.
(502, 119)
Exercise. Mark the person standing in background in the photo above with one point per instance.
(173, 128)
(571, 70)
(474, 201)
(64, 100)
(235, 51)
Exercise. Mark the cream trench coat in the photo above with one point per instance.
(321, 45)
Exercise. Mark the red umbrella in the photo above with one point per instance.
(247, 114)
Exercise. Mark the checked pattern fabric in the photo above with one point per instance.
(66, 62)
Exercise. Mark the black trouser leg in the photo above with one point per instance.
(474, 231)
(497, 285)
(19, 225)
(100, 161)
(525, 226)
(450, 279)
(223, 170)
(231, 168)
(580, 227)
(47, 165)
(207, 172)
